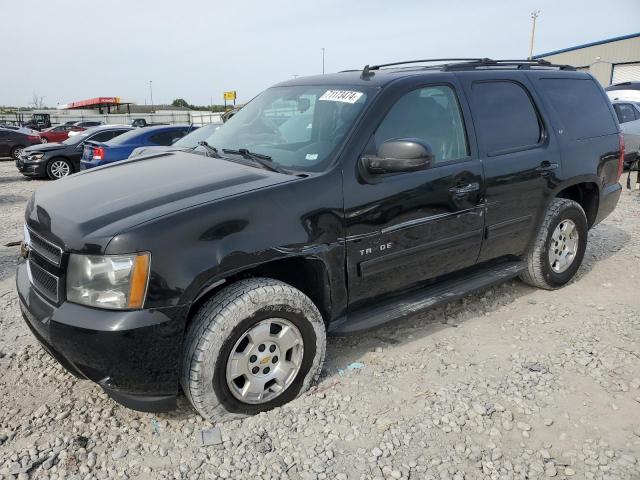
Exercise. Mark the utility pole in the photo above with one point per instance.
(151, 92)
(323, 60)
(534, 15)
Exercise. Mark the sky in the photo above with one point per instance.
(68, 50)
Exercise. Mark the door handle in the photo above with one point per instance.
(546, 167)
(464, 189)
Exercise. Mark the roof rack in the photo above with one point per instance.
(428, 60)
(518, 64)
(468, 64)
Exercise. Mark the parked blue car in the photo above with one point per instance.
(102, 153)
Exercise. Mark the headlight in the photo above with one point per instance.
(36, 156)
(108, 281)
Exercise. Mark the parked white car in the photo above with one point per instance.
(629, 117)
(627, 91)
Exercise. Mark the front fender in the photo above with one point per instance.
(194, 249)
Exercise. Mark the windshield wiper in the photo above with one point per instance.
(210, 150)
(263, 160)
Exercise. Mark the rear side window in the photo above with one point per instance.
(580, 106)
(625, 112)
(131, 136)
(119, 132)
(102, 136)
(505, 117)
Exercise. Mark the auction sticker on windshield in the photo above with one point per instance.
(345, 96)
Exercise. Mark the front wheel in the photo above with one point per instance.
(255, 345)
(59, 168)
(558, 250)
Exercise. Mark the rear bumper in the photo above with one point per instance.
(134, 356)
(86, 165)
(609, 197)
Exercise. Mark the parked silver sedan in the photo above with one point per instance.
(628, 113)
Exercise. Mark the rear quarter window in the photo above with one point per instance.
(579, 105)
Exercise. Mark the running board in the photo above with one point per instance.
(423, 299)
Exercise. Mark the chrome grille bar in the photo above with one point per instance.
(45, 248)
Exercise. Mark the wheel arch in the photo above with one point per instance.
(586, 194)
(310, 275)
(15, 147)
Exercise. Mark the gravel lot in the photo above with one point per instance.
(513, 383)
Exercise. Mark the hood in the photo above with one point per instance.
(45, 147)
(85, 211)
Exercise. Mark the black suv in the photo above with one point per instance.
(329, 203)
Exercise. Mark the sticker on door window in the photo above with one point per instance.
(346, 96)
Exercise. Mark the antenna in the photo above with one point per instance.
(366, 73)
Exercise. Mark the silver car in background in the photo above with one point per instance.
(628, 113)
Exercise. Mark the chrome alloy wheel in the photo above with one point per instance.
(264, 361)
(17, 152)
(564, 246)
(60, 169)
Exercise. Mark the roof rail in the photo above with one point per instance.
(469, 63)
(519, 64)
(428, 60)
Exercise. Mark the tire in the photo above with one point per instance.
(220, 327)
(16, 151)
(544, 265)
(44, 140)
(59, 168)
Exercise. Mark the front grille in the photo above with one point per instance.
(45, 248)
(46, 283)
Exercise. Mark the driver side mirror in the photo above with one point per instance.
(400, 155)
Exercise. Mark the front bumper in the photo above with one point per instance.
(134, 356)
(31, 169)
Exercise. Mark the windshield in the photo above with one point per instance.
(199, 134)
(299, 127)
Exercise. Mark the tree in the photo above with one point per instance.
(37, 101)
(180, 102)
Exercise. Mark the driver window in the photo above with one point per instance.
(431, 114)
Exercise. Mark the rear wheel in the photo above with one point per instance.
(43, 140)
(559, 247)
(58, 168)
(16, 151)
(255, 345)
